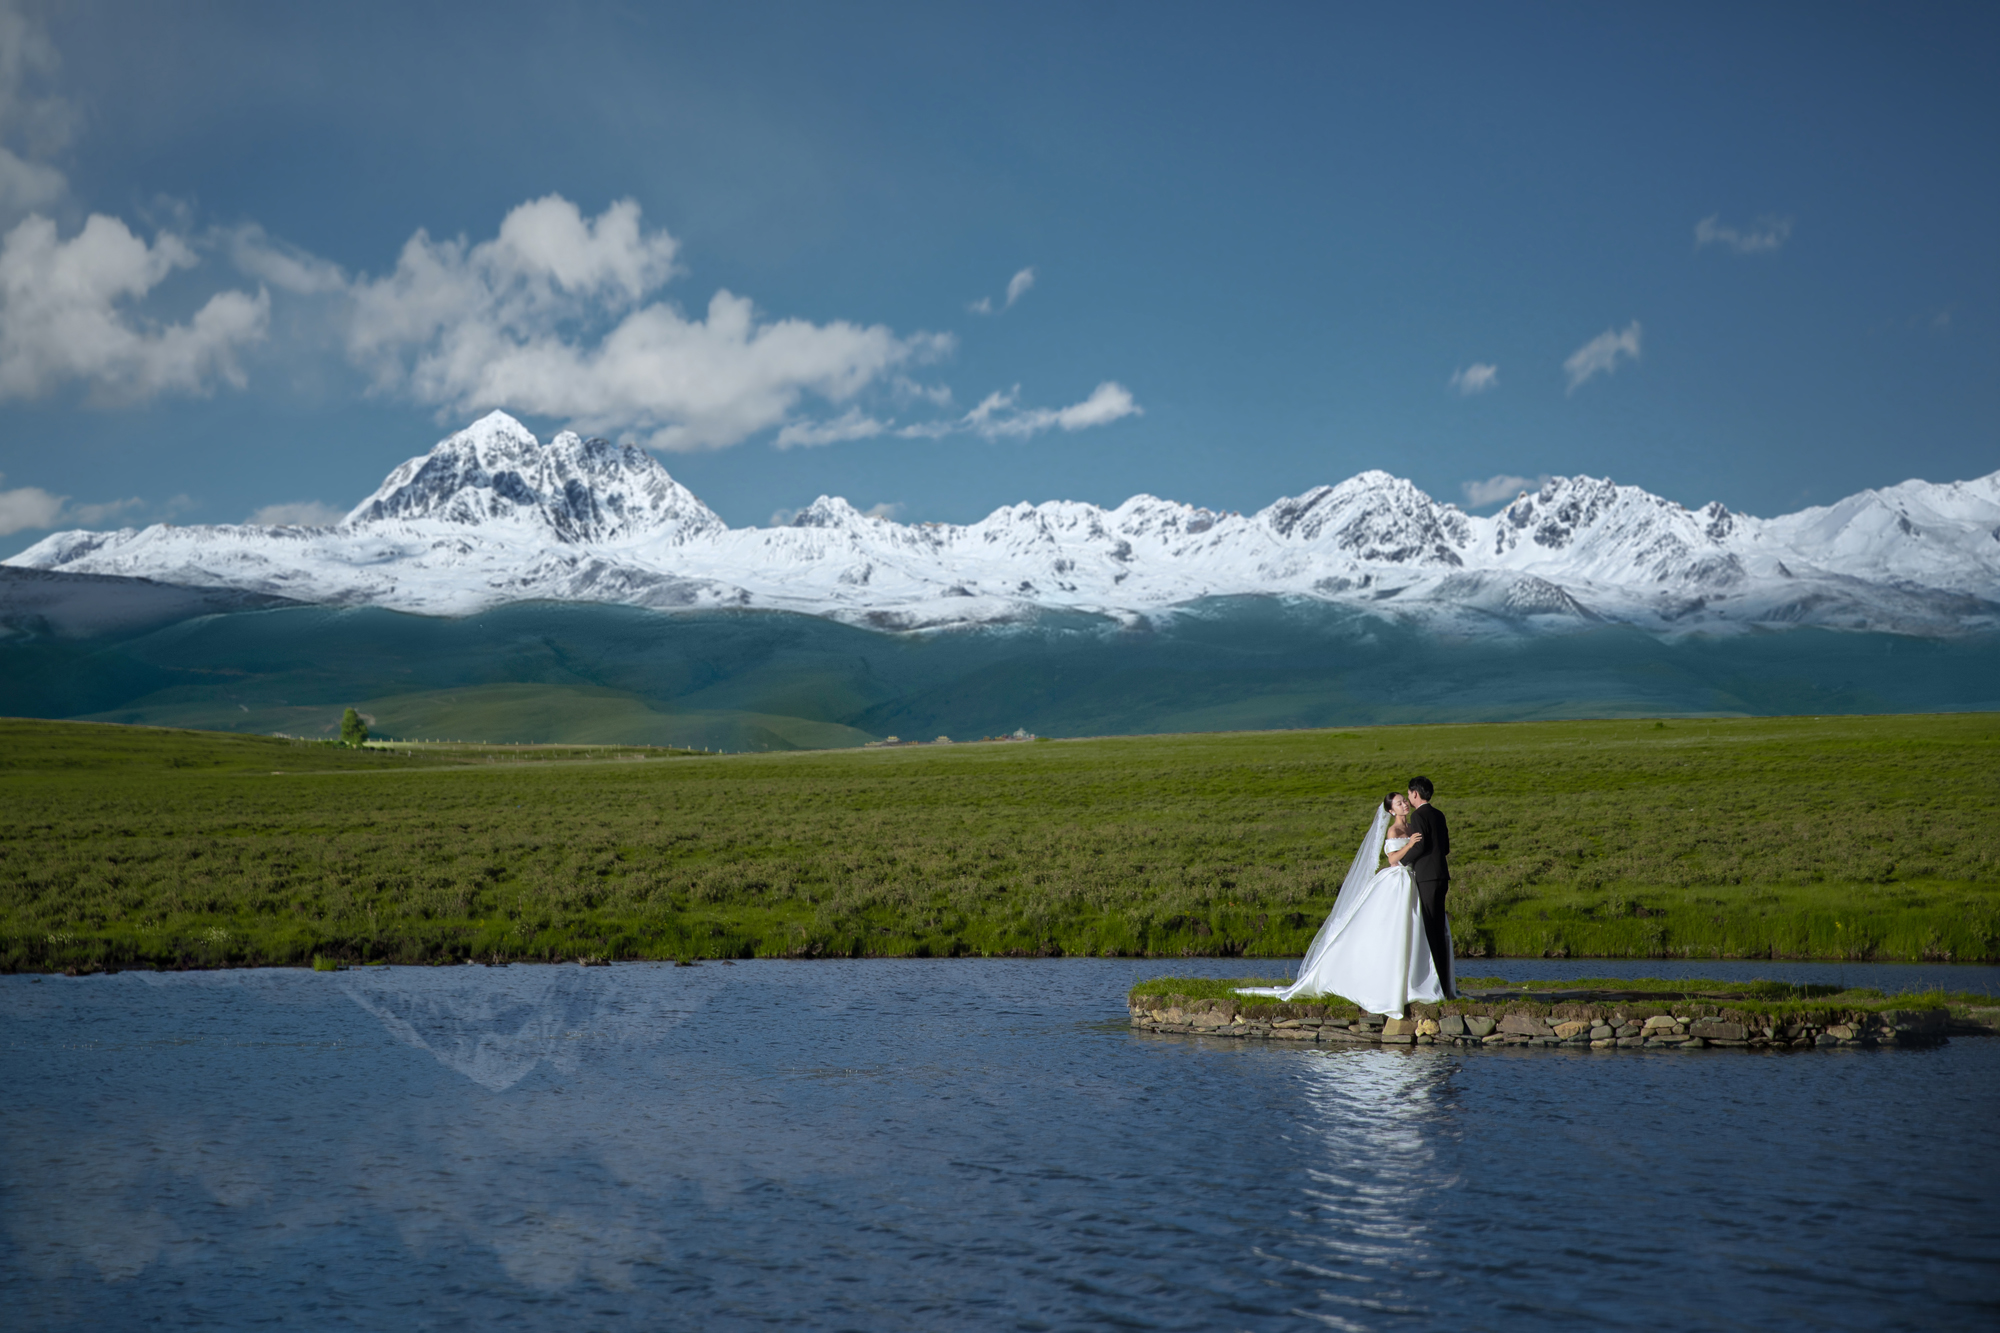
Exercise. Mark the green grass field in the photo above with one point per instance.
(1850, 837)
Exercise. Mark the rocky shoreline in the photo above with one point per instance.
(1585, 1021)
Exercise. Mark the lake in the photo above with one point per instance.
(955, 1144)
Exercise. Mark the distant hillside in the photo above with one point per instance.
(773, 680)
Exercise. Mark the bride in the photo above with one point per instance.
(1372, 948)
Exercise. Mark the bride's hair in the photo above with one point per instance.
(1396, 821)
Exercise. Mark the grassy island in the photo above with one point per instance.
(1601, 1013)
(1839, 837)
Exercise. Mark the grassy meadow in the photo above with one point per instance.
(1837, 837)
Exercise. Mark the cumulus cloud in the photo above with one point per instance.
(1767, 235)
(27, 509)
(297, 514)
(33, 122)
(1475, 378)
(1017, 287)
(504, 323)
(26, 185)
(30, 508)
(1479, 494)
(66, 316)
(1600, 355)
(68, 308)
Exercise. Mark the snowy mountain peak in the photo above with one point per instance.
(494, 472)
(830, 511)
(1592, 523)
(1373, 518)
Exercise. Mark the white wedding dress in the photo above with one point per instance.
(1372, 949)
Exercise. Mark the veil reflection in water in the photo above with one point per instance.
(1375, 1120)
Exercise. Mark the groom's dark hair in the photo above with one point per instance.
(1422, 787)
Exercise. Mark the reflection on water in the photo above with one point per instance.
(932, 1145)
(1362, 1221)
(496, 1030)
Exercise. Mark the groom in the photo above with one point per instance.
(1430, 865)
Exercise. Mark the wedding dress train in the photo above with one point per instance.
(1372, 948)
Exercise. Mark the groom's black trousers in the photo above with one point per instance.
(1430, 897)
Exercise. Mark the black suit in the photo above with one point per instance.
(1430, 864)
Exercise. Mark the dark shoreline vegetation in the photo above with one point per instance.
(1837, 837)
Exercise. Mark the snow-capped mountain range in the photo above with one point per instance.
(492, 515)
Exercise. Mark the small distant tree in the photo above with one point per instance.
(353, 731)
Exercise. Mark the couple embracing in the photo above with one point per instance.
(1387, 940)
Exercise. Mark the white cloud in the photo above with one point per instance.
(1107, 403)
(68, 308)
(502, 324)
(26, 185)
(1000, 416)
(65, 315)
(92, 515)
(1017, 287)
(33, 124)
(1600, 355)
(937, 395)
(297, 514)
(31, 507)
(1767, 235)
(1475, 378)
(851, 425)
(27, 509)
(285, 267)
(1479, 494)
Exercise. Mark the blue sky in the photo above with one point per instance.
(256, 255)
